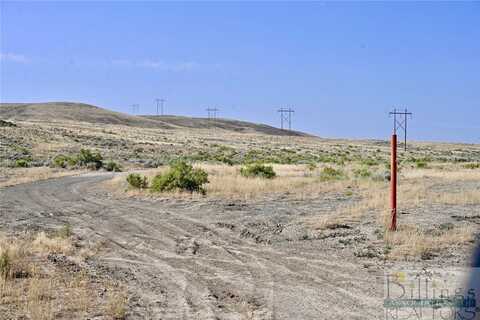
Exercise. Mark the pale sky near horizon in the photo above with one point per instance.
(341, 65)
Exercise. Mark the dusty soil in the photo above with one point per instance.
(210, 259)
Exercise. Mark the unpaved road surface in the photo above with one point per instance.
(202, 259)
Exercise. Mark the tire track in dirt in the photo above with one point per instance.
(186, 267)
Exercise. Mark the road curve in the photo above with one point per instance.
(187, 259)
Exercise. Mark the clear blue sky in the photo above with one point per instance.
(342, 66)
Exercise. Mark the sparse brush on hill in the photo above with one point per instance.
(362, 173)
(85, 159)
(181, 176)
(258, 170)
(329, 173)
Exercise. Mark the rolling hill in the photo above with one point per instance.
(80, 112)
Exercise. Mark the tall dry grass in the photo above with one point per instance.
(410, 241)
(32, 287)
(10, 177)
(227, 182)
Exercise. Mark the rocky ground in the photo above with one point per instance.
(225, 259)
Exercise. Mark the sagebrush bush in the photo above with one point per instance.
(22, 163)
(362, 173)
(329, 173)
(87, 158)
(369, 162)
(112, 166)
(137, 181)
(180, 176)
(258, 170)
(60, 161)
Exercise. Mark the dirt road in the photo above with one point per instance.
(202, 259)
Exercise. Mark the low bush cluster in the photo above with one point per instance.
(329, 173)
(258, 170)
(362, 173)
(137, 181)
(22, 163)
(85, 159)
(180, 176)
(112, 166)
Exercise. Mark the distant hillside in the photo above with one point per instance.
(79, 112)
(226, 124)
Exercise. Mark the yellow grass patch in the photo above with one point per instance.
(410, 241)
(31, 287)
(10, 177)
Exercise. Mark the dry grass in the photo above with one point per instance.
(418, 188)
(117, 304)
(373, 198)
(410, 241)
(44, 244)
(227, 182)
(10, 177)
(35, 288)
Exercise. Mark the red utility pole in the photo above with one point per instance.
(393, 184)
(393, 164)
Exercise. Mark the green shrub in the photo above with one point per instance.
(5, 264)
(225, 159)
(72, 161)
(22, 163)
(112, 166)
(87, 158)
(329, 173)
(421, 164)
(137, 181)
(311, 166)
(362, 173)
(258, 170)
(180, 176)
(61, 161)
(369, 162)
(472, 165)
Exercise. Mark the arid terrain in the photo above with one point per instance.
(77, 241)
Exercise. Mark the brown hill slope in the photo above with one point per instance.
(225, 124)
(80, 112)
(67, 111)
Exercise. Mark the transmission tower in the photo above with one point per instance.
(401, 122)
(212, 113)
(286, 116)
(397, 124)
(135, 108)
(160, 103)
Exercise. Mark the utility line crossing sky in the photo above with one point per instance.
(341, 65)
